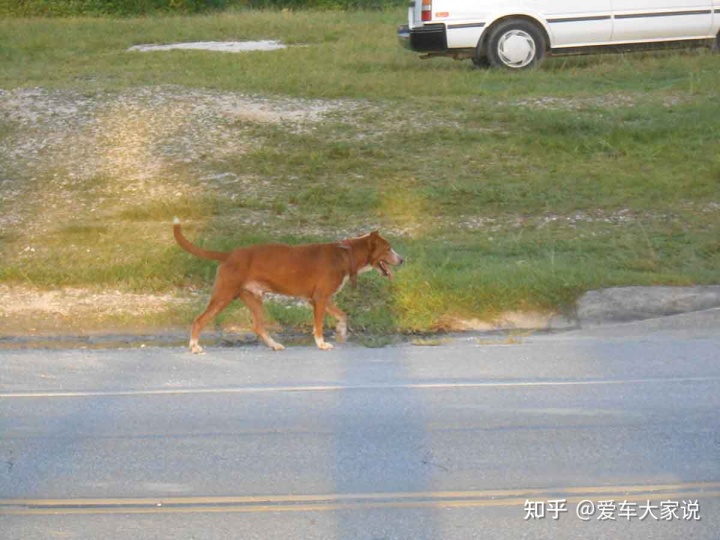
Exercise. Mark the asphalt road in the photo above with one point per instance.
(468, 439)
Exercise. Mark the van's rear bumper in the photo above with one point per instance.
(426, 38)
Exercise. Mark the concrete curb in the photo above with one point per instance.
(693, 325)
(606, 307)
(627, 304)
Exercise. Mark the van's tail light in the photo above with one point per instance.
(426, 10)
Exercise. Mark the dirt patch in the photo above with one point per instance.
(69, 302)
(214, 46)
(121, 148)
(27, 311)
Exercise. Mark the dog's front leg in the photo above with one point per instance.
(319, 305)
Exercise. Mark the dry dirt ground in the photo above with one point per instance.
(27, 311)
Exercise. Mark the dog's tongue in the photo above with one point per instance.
(385, 270)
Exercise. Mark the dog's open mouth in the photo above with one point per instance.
(385, 269)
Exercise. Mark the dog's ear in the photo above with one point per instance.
(374, 238)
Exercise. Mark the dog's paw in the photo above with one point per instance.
(275, 346)
(325, 346)
(341, 333)
(196, 349)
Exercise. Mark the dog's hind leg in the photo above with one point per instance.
(215, 306)
(339, 314)
(254, 303)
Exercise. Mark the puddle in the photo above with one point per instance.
(218, 46)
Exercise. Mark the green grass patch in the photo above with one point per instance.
(505, 191)
(335, 54)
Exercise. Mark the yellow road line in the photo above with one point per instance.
(650, 488)
(331, 502)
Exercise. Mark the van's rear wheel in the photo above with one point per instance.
(515, 44)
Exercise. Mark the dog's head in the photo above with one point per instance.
(382, 255)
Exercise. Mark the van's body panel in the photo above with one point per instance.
(460, 28)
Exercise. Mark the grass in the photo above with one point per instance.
(337, 54)
(505, 191)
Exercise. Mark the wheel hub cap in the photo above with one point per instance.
(516, 49)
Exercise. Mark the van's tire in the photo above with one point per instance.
(515, 44)
(481, 62)
(716, 44)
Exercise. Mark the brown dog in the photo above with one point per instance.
(311, 271)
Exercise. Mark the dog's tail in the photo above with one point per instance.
(195, 250)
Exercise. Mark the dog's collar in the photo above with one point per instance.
(347, 246)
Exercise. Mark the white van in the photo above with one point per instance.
(517, 34)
